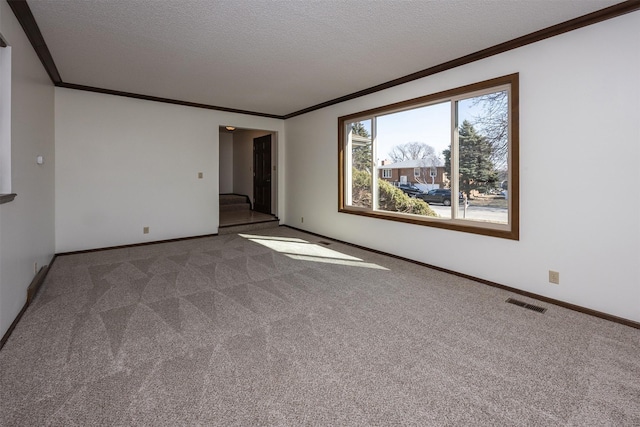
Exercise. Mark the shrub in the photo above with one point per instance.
(361, 191)
(390, 198)
(393, 199)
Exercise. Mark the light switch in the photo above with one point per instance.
(199, 175)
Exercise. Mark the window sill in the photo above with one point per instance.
(6, 198)
(485, 229)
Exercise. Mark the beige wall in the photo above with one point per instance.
(124, 164)
(27, 223)
(226, 163)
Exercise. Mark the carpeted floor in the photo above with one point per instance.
(279, 328)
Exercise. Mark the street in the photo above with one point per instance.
(482, 213)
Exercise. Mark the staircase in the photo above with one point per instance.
(236, 216)
(234, 202)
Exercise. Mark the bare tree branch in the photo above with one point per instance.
(493, 124)
(413, 151)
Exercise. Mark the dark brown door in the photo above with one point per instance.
(262, 174)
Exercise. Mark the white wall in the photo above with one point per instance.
(579, 110)
(243, 164)
(123, 164)
(226, 162)
(27, 223)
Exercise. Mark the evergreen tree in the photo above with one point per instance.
(359, 129)
(475, 165)
(362, 154)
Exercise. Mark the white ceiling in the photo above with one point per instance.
(276, 56)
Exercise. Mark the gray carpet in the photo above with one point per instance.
(285, 330)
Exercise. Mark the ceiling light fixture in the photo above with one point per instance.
(230, 128)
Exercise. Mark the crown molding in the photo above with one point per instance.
(555, 30)
(23, 13)
(164, 100)
(27, 21)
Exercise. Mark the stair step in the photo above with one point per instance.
(235, 207)
(232, 199)
(232, 229)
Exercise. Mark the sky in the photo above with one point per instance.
(429, 124)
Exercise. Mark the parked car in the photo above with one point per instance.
(410, 189)
(439, 195)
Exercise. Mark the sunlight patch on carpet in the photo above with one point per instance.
(303, 250)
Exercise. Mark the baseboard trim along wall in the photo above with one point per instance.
(37, 281)
(542, 298)
(32, 290)
(133, 245)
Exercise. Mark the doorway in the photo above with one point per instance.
(248, 181)
(262, 174)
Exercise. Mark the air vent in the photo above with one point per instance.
(322, 242)
(525, 305)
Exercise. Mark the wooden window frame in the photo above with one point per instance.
(511, 230)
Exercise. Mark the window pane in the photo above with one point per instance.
(5, 120)
(483, 138)
(411, 143)
(360, 161)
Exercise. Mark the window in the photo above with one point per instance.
(5, 122)
(469, 133)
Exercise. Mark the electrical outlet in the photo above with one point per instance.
(145, 230)
(554, 277)
(200, 175)
(301, 219)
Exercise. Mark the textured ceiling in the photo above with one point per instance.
(276, 56)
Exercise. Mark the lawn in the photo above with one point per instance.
(490, 201)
